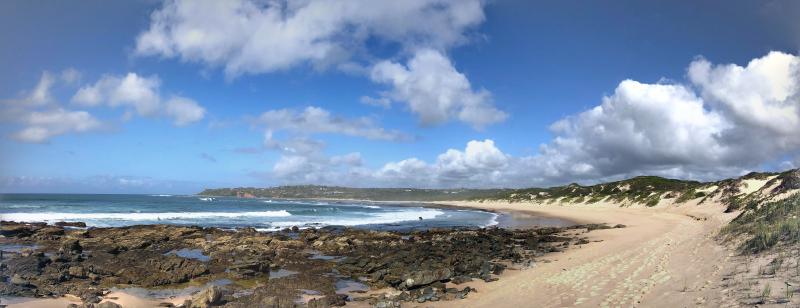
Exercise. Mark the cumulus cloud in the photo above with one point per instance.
(184, 111)
(131, 90)
(436, 91)
(481, 163)
(246, 36)
(42, 125)
(42, 116)
(141, 95)
(762, 98)
(729, 120)
(250, 37)
(726, 121)
(337, 170)
(641, 127)
(38, 115)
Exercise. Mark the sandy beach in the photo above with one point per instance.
(665, 257)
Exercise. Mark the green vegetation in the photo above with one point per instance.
(765, 294)
(765, 225)
(646, 190)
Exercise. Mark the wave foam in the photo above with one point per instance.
(52, 216)
(375, 218)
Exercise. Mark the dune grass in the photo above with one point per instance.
(767, 224)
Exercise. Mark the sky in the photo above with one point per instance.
(177, 96)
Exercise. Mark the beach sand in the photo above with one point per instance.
(665, 257)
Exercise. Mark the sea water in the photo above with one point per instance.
(229, 212)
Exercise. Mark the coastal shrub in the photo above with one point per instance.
(653, 201)
(699, 194)
(768, 224)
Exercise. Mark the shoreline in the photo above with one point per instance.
(508, 221)
(656, 248)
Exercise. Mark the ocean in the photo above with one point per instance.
(228, 212)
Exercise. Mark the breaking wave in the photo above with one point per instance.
(51, 216)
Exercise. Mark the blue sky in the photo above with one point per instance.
(472, 89)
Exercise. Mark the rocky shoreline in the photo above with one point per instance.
(244, 268)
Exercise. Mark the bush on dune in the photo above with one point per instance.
(767, 225)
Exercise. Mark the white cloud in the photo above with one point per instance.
(436, 91)
(140, 95)
(40, 95)
(184, 111)
(315, 120)
(641, 127)
(41, 126)
(131, 90)
(481, 163)
(763, 96)
(739, 119)
(407, 172)
(257, 37)
(337, 170)
(41, 116)
(730, 120)
(251, 37)
(302, 159)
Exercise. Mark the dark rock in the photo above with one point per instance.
(91, 296)
(318, 303)
(71, 246)
(77, 271)
(424, 277)
(49, 233)
(208, 297)
(18, 280)
(9, 229)
(387, 303)
(77, 224)
(109, 305)
(336, 299)
(461, 279)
